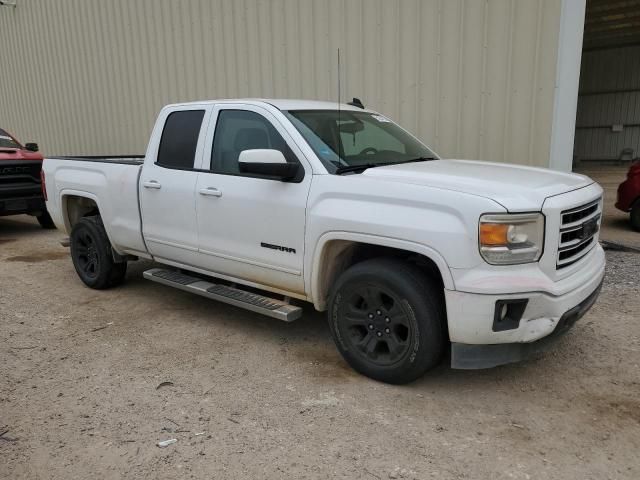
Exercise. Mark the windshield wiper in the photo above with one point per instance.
(355, 168)
(364, 166)
(414, 160)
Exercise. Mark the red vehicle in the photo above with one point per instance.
(20, 181)
(629, 195)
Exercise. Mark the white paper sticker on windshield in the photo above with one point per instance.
(6, 138)
(381, 118)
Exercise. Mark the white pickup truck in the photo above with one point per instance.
(260, 203)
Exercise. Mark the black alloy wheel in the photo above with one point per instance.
(87, 255)
(376, 325)
(92, 255)
(387, 318)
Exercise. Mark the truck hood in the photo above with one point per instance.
(516, 188)
(18, 154)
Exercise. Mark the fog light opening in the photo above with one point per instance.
(508, 313)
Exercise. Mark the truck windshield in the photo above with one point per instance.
(7, 142)
(348, 141)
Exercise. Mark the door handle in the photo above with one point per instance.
(152, 184)
(210, 191)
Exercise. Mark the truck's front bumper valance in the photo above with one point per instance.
(466, 356)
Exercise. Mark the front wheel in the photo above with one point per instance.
(91, 255)
(386, 317)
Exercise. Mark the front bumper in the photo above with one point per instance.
(479, 343)
(466, 356)
(470, 313)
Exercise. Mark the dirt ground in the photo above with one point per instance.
(251, 397)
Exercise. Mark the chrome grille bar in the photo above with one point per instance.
(579, 229)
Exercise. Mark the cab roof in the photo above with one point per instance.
(283, 104)
(291, 104)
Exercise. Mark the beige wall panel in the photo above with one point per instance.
(495, 123)
(471, 59)
(523, 73)
(472, 78)
(544, 85)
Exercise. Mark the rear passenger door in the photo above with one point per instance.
(251, 227)
(167, 186)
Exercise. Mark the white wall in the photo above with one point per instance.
(473, 78)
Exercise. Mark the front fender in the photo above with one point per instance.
(440, 224)
(313, 281)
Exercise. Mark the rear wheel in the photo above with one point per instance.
(386, 318)
(635, 216)
(91, 255)
(45, 221)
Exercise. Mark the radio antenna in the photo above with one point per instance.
(339, 81)
(339, 97)
(339, 116)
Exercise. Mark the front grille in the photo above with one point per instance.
(578, 232)
(577, 214)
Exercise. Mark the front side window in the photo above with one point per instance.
(6, 141)
(180, 139)
(346, 140)
(238, 130)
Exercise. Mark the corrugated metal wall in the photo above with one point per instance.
(474, 79)
(609, 95)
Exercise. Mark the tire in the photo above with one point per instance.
(91, 255)
(634, 216)
(45, 221)
(386, 317)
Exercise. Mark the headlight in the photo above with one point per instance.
(506, 239)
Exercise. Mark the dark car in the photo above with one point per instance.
(629, 195)
(20, 182)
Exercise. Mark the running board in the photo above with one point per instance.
(233, 296)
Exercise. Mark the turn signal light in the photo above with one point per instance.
(492, 234)
(511, 238)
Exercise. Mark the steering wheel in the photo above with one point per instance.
(369, 151)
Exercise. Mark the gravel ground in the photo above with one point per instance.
(80, 394)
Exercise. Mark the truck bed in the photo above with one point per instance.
(111, 182)
(121, 159)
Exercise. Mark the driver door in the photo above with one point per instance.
(251, 227)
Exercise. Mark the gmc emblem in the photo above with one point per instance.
(589, 229)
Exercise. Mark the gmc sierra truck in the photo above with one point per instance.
(20, 184)
(263, 203)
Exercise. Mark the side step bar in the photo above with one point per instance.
(233, 296)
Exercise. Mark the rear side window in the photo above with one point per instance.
(180, 139)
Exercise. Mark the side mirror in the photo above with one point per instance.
(32, 147)
(267, 162)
